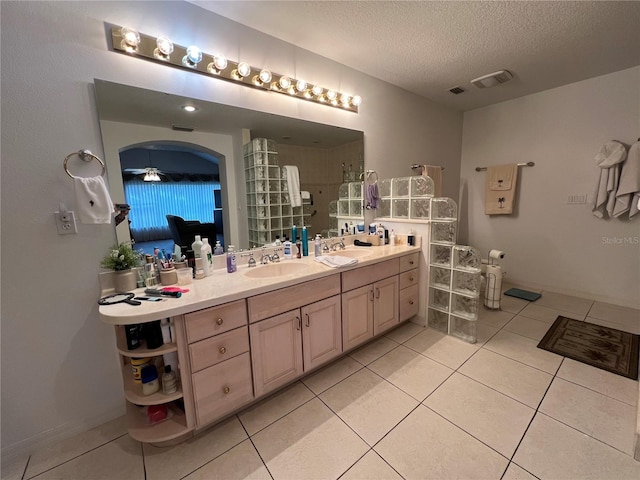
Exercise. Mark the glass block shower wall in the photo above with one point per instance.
(454, 270)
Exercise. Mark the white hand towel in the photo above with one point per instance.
(335, 261)
(293, 183)
(629, 184)
(93, 201)
(609, 159)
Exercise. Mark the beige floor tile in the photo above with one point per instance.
(442, 348)
(404, 332)
(523, 350)
(44, 459)
(330, 375)
(370, 405)
(14, 468)
(309, 443)
(241, 462)
(494, 318)
(567, 303)
(607, 383)
(512, 304)
(516, 380)
(371, 467)
(180, 460)
(425, 445)
(597, 415)
(491, 417)
(551, 449)
(484, 333)
(121, 459)
(615, 313)
(527, 327)
(547, 314)
(411, 372)
(631, 327)
(514, 472)
(374, 350)
(258, 416)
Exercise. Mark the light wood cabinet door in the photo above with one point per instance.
(385, 304)
(276, 351)
(357, 316)
(409, 302)
(321, 332)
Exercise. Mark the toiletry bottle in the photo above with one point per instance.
(149, 377)
(380, 233)
(231, 260)
(287, 249)
(411, 239)
(352, 228)
(218, 250)
(298, 249)
(278, 242)
(317, 246)
(196, 246)
(294, 234)
(305, 242)
(169, 381)
(199, 268)
(392, 238)
(207, 257)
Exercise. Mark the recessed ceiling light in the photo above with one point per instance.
(189, 108)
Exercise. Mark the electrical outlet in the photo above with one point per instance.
(65, 222)
(577, 199)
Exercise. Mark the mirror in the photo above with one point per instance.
(133, 117)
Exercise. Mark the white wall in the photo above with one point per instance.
(59, 365)
(551, 244)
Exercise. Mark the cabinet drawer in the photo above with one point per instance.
(217, 349)
(372, 273)
(273, 303)
(408, 278)
(222, 388)
(409, 262)
(215, 320)
(408, 302)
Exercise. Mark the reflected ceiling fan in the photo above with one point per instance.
(153, 174)
(148, 174)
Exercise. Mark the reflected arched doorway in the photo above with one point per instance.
(170, 178)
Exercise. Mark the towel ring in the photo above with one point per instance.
(372, 172)
(85, 155)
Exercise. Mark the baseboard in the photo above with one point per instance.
(59, 433)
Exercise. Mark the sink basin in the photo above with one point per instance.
(275, 270)
(360, 253)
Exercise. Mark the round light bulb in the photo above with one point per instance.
(165, 46)
(331, 94)
(316, 90)
(193, 56)
(265, 76)
(344, 99)
(356, 101)
(189, 108)
(301, 85)
(284, 82)
(219, 62)
(130, 36)
(244, 69)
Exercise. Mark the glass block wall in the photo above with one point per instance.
(348, 207)
(454, 270)
(269, 207)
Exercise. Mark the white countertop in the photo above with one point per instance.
(223, 287)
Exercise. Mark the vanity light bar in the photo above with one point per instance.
(161, 50)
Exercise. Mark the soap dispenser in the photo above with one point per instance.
(231, 260)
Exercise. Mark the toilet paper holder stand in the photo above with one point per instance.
(493, 296)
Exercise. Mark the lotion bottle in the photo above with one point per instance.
(287, 249)
(196, 246)
(231, 260)
(317, 246)
(392, 238)
(207, 257)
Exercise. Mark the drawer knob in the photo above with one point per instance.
(219, 321)
(411, 279)
(226, 390)
(223, 350)
(411, 262)
(410, 302)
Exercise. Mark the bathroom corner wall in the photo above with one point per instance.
(549, 243)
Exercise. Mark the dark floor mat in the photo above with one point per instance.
(525, 295)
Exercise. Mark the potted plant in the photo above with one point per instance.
(122, 259)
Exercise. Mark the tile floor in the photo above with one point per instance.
(414, 404)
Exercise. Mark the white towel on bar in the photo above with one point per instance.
(93, 201)
(293, 183)
(335, 261)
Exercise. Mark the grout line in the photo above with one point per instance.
(256, 448)
(596, 391)
(144, 464)
(24, 471)
(353, 464)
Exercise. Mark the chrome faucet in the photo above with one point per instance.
(275, 258)
(264, 259)
(252, 261)
(325, 248)
(336, 245)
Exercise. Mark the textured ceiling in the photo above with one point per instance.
(427, 47)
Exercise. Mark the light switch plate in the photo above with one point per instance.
(65, 222)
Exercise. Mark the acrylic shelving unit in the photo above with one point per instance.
(269, 209)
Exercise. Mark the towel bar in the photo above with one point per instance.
(528, 164)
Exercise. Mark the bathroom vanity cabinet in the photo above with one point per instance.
(258, 335)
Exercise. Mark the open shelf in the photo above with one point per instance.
(142, 351)
(133, 391)
(168, 429)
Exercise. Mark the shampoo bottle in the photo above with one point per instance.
(294, 234)
(305, 242)
(207, 257)
(317, 246)
(196, 246)
(231, 260)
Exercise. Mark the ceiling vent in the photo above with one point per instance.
(492, 79)
(178, 128)
(457, 90)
